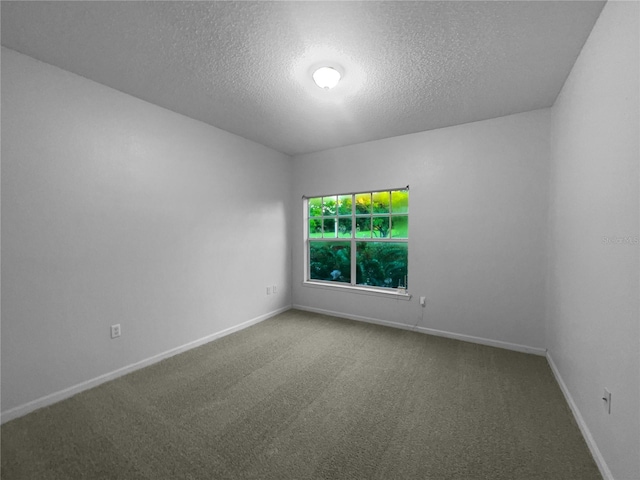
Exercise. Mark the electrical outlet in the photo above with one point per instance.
(115, 331)
(423, 301)
(268, 290)
(606, 398)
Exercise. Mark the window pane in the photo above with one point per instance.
(400, 226)
(344, 227)
(363, 204)
(329, 228)
(344, 205)
(380, 202)
(400, 201)
(329, 206)
(315, 228)
(315, 207)
(330, 261)
(381, 264)
(363, 227)
(380, 227)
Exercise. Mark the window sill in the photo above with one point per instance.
(359, 289)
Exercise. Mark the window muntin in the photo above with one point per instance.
(359, 239)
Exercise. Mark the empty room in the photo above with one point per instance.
(320, 240)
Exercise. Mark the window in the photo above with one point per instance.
(359, 239)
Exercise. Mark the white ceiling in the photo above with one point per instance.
(245, 67)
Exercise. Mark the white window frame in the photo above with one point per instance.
(399, 293)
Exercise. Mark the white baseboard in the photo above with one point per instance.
(55, 397)
(430, 331)
(591, 443)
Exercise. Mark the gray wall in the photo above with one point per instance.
(593, 315)
(477, 231)
(118, 211)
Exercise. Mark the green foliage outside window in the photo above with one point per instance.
(381, 264)
(380, 223)
(330, 261)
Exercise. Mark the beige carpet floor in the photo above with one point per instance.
(305, 396)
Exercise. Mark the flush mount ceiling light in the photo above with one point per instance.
(326, 77)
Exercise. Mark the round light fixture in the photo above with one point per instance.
(326, 77)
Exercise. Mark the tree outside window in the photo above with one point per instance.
(359, 239)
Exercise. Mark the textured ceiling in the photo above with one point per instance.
(245, 67)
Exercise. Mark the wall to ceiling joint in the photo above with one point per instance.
(119, 211)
